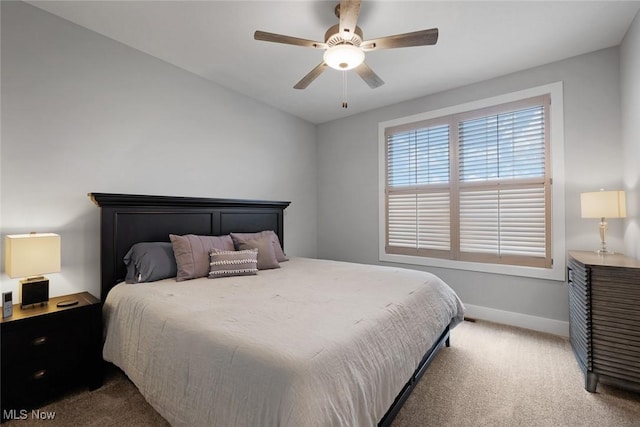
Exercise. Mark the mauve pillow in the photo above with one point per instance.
(264, 245)
(192, 253)
(277, 248)
(233, 263)
(150, 261)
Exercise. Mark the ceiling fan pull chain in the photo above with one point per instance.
(344, 89)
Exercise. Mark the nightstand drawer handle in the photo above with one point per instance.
(38, 375)
(39, 341)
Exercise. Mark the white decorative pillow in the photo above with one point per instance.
(233, 263)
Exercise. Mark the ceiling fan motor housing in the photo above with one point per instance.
(333, 36)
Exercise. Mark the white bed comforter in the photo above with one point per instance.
(314, 343)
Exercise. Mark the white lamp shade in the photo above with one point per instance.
(343, 57)
(31, 254)
(603, 204)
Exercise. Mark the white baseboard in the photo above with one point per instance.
(541, 324)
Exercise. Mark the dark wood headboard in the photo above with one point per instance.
(126, 219)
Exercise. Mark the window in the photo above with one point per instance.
(473, 187)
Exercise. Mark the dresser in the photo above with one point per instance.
(604, 318)
(47, 350)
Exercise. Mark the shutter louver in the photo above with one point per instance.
(434, 221)
(479, 222)
(402, 221)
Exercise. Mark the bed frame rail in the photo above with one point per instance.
(443, 340)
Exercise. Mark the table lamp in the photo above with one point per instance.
(603, 204)
(31, 256)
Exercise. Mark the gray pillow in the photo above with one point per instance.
(277, 247)
(264, 245)
(192, 253)
(150, 261)
(233, 263)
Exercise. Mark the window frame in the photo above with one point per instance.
(555, 174)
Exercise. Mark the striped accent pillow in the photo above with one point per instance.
(233, 263)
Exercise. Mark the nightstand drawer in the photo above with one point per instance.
(58, 338)
(36, 383)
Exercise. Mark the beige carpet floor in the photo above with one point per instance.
(496, 375)
(492, 375)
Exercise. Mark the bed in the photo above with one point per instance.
(314, 342)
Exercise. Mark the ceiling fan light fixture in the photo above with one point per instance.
(343, 57)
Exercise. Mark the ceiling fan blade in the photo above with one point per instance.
(349, 11)
(368, 76)
(416, 38)
(311, 76)
(279, 38)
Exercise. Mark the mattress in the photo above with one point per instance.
(313, 343)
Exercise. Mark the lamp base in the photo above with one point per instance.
(34, 290)
(603, 238)
(604, 252)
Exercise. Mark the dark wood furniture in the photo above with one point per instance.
(604, 323)
(46, 350)
(127, 219)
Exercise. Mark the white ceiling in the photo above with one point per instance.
(478, 40)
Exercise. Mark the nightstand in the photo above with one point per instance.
(46, 350)
(604, 321)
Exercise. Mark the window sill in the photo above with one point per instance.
(557, 272)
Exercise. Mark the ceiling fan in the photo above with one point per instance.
(345, 48)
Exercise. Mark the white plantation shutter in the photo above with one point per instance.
(497, 209)
(502, 164)
(503, 146)
(434, 221)
(419, 221)
(503, 223)
(418, 198)
(418, 157)
(402, 221)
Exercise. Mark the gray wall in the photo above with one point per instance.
(82, 113)
(348, 177)
(630, 94)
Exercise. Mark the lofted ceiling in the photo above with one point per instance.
(478, 40)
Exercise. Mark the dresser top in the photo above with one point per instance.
(595, 259)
